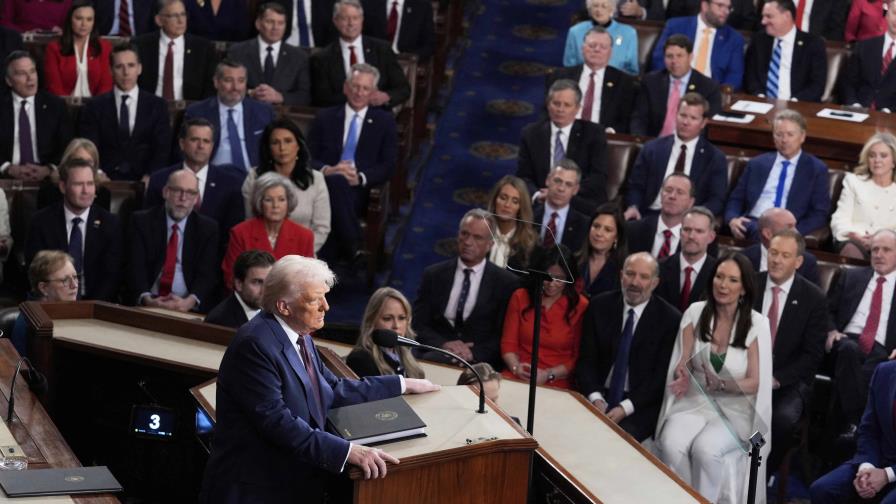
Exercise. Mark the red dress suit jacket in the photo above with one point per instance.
(61, 72)
(252, 235)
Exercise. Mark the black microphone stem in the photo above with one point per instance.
(536, 338)
(12, 391)
(469, 366)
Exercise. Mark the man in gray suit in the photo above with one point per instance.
(278, 72)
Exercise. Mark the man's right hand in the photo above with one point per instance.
(27, 172)
(632, 213)
(600, 404)
(630, 8)
(833, 337)
(738, 226)
(459, 348)
(370, 460)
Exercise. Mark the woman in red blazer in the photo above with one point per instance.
(273, 199)
(866, 20)
(78, 63)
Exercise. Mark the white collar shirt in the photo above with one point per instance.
(457, 285)
(133, 96)
(178, 65)
(698, 43)
(697, 266)
(782, 296)
(766, 198)
(358, 47)
(691, 146)
(294, 38)
(263, 51)
(562, 213)
(787, 43)
(660, 237)
(564, 139)
(399, 4)
(584, 82)
(860, 317)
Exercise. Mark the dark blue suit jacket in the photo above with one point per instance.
(650, 106)
(256, 116)
(809, 269)
(809, 198)
(808, 70)
(876, 442)
(270, 442)
(377, 150)
(864, 83)
(844, 297)
(709, 174)
(727, 59)
(128, 157)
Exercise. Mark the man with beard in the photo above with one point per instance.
(685, 274)
(249, 272)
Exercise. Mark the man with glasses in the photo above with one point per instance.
(173, 251)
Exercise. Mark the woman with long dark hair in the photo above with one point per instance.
(602, 254)
(78, 63)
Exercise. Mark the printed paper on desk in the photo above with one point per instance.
(752, 106)
(842, 115)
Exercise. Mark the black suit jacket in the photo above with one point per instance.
(808, 71)
(200, 60)
(844, 298)
(482, 327)
(828, 18)
(670, 280)
(587, 146)
(617, 94)
(102, 247)
(575, 230)
(53, 127)
(147, 241)
(416, 33)
(802, 330)
(650, 107)
(128, 157)
(10, 40)
(651, 350)
(321, 21)
(674, 8)
(639, 234)
(292, 75)
(864, 83)
(328, 73)
(228, 313)
(809, 269)
(143, 15)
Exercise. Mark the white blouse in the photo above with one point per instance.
(864, 207)
(500, 252)
(82, 85)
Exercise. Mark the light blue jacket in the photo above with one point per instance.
(625, 46)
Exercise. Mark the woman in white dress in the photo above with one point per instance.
(726, 346)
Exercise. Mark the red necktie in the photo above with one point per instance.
(800, 9)
(682, 156)
(589, 100)
(686, 290)
(773, 313)
(168, 79)
(170, 262)
(392, 24)
(866, 339)
(352, 59)
(312, 375)
(124, 26)
(549, 235)
(667, 244)
(888, 58)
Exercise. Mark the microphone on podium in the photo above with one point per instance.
(389, 339)
(37, 382)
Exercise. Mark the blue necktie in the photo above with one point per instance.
(303, 24)
(771, 83)
(620, 368)
(124, 117)
(559, 151)
(236, 147)
(351, 141)
(779, 191)
(75, 244)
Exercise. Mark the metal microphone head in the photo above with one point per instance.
(385, 337)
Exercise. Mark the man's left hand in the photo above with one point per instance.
(616, 414)
(378, 98)
(419, 386)
(267, 94)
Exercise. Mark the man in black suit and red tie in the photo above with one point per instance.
(660, 234)
(249, 271)
(406, 24)
(870, 78)
(684, 276)
(608, 93)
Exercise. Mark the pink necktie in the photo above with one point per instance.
(773, 313)
(671, 108)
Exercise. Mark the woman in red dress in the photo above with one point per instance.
(78, 63)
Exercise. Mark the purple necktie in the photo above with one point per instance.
(26, 149)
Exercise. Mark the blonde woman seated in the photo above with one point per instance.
(868, 200)
(386, 309)
(727, 345)
(510, 202)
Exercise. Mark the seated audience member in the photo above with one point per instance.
(560, 136)
(618, 376)
(238, 119)
(10, 40)
(124, 18)
(278, 72)
(658, 10)
(387, 309)
(869, 473)
(660, 234)
(865, 201)
(770, 223)
(788, 178)
(823, 19)
(332, 65)
(52, 278)
(561, 223)
(718, 48)
(78, 63)
(48, 191)
(725, 343)
(353, 161)
(514, 238)
(866, 19)
(249, 271)
(27, 16)
(312, 26)
(688, 152)
(602, 254)
(686, 274)
(622, 35)
(491, 381)
(90, 234)
(284, 150)
(608, 93)
(38, 125)
(173, 250)
(561, 322)
(870, 81)
(176, 64)
(226, 20)
(220, 195)
(797, 313)
(782, 45)
(862, 311)
(273, 199)
(129, 126)
(406, 24)
(661, 90)
(461, 302)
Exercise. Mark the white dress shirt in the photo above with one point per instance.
(116, 28)
(400, 8)
(673, 160)
(767, 196)
(29, 111)
(223, 154)
(85, 215)
(787, 43)
(782, 296)
(763, 258)
(263, 51)
(860, 317)
(346, 54)
(807, 13)
(697, 266)
(457, 285)
(294, 34)
(178, 65)
(698, 42)
(564, 139)
(562, 213)
(659, 238)
(202, 176)
(584, 81)
(248, 311)
(131, 104)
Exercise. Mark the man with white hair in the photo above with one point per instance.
(274, 393)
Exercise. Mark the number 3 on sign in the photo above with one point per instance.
(155, 422)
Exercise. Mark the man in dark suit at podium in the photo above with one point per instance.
(274, 393)
(249, 272)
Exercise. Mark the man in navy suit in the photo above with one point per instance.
(411, 31)
(788, 178)
(355, 146)
(718, 48)
(239, 120)
(249, 272)
(684, 276)
(560, 223)
(867, 82)
(90, 234)
(660, 234)
(686, 151)
(803, 53)
(661, 90)
(311, 28)
(770, 223)
(870, 472)
(129, 126)
(173, 251)
(271, 443)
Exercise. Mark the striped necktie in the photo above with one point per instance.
(771, 83)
